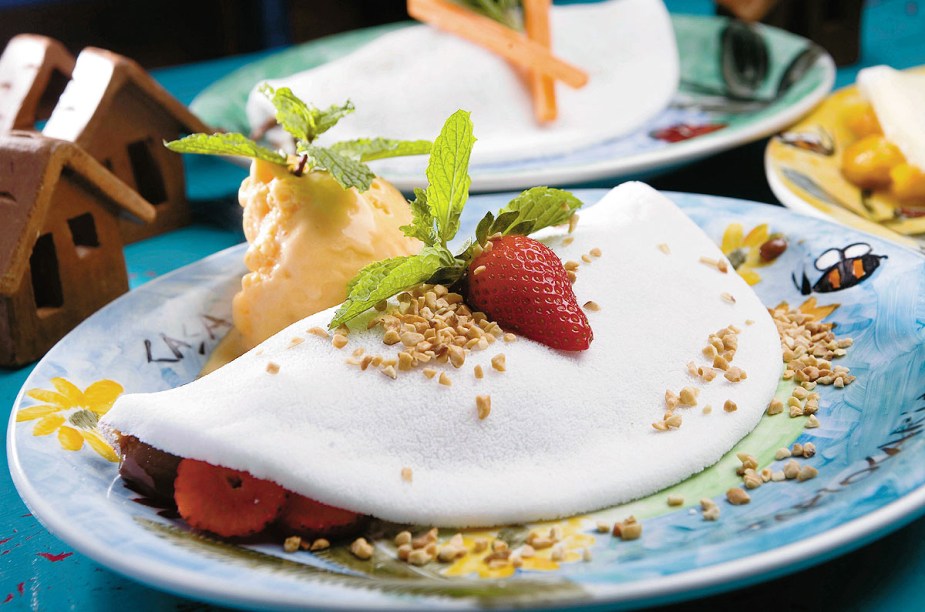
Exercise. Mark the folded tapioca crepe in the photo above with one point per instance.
(567, 432)
(412, 79)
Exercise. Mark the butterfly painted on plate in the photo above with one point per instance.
(841, 268)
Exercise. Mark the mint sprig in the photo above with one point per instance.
(435, 214)
(529, 212)
(370, 149)
(225, 144)
(345, 161)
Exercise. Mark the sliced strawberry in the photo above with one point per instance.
(226, 502)
(525, 288)
(308, 518)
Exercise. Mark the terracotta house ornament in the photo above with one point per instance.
(33, 72)
(60, 249)
(120, 115)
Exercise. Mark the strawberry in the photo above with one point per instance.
(524, 288)
(226, 502)
(309, 518)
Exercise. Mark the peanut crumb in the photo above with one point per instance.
(479, 373)
(728, 297)
(296, 341)
(429, 372)
(592, 306)
(317, 331)
(572, 222)
(445, 380)
(339, 341)
(595, 252)
(361, 549)
(406, 474)
(737, 496)
(272, 367)
(498, 362)
(483, 405)
(320, 544)
(478, 270)
(707, 409)
(292, 544)
(675, 500)
(730, 406)
(663, 247)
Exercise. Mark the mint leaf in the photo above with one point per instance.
(347, 172)
(422, 223)
(482, 229)
(504, 221)
(326, 119)
(302, 121)
(369, 149)
(541, 206)
(383, 279)
(447, 174)
(225, 144)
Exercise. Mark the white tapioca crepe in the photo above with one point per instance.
(406, 83)
(567, 433)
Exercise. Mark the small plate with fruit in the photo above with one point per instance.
(855, 159)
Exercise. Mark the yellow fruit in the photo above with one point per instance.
(908, 184)
(862, 121)
(867, 162)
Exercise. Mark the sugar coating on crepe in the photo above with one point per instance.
(567, 433)
(412, 79)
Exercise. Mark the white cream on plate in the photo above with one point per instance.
(567, 433)
(406, 83)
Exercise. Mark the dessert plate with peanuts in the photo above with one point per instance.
(836, 460)
(840, 161)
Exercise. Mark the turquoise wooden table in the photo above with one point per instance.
(38, 571)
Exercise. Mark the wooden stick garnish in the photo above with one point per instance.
(542, 87)
(487, 33)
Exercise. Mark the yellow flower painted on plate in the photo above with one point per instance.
(573, 540)
(744, 251)
(72, 414)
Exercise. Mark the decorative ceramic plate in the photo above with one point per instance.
(870, 454)
(693, 126)
(803, 166)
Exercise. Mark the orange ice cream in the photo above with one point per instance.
(308, 237)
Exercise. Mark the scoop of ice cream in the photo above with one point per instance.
(308, 237)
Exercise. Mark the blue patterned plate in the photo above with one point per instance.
(870, 451)
(692, 127)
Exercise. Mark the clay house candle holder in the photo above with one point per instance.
(60, 249)
(33, 72)
(120, 115)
